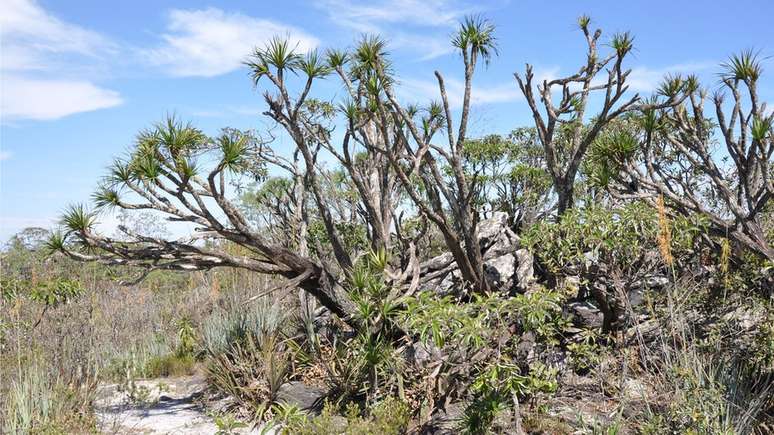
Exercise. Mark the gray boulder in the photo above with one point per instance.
(305, 397)
(507, 266)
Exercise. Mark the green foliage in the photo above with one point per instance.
(49, 292)
(585, 352)
(744, 66)
(504, 378)
(56, 291)
(78, 218)
(508, 172)
(475, 323)
(353, 235)
(234, 148)
(370, 354)
(497, 386)
(186, 337)
(608, 153)
(277, 54)
(611, 235)
(443, 321)
(41, 402)
(476, 36)
(390, 416)
(622, 43)
(541, 312)
(246, 355)
(172, 364)
(761, 128)
(227, 424)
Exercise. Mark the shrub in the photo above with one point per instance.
(390, 416)
(246, 355)
(170, 365)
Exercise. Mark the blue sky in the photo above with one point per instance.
(80, 78)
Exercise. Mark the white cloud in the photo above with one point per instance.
(369, 17)
(5, 155)
(418, 90)
(10, 225)
(211, 42)
(428, 47)
(43, 99)
(432, 21)
(31, 35)
(40, 54)
(644, 79)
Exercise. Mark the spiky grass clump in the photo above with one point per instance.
(39, 402)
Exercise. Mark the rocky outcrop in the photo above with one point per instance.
(508, 266)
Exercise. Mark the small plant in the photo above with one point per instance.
(389, 416)
(584, 353)
(186, 337)
(227, 424)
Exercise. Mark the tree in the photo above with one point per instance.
(565, 154)
(175, 169)
(418, 165)
(672, 152)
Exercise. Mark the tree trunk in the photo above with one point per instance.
(564, 190)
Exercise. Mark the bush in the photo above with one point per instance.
(246, 356)
(170, 365)
(390, 416)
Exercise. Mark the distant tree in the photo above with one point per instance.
(30, 238)
(508, 174)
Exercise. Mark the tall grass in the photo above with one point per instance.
(706, 391)
(45, 402)
(246, 354)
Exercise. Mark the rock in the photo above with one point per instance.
(586, 314)
(635, 389)
(501, 272)
(525, 349)
(525, 272)
(506, 267)
(450, 284)
(446, 421)
(744, 318)
(420, 354)
(495, 237)
(305, 397)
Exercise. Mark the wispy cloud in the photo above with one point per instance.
(210, 42)
(41, 56)
(225, 111)
(37, 99)
(31, 36)
(371, 17)
(645, 79)
(5, 155)
(422, 27)
(426, 90)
